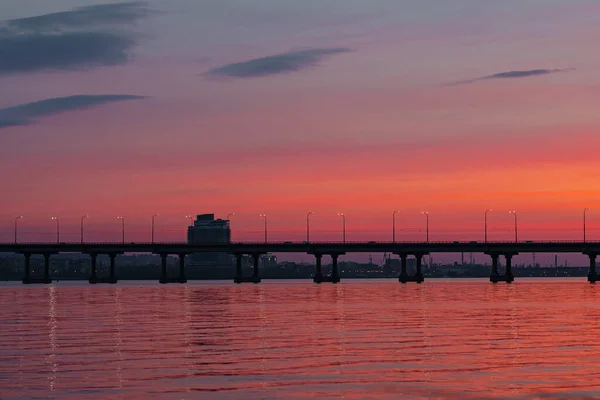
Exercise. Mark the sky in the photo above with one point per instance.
(283, 107)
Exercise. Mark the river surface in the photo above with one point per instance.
(360, 339)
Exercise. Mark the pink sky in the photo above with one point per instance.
(376, 128)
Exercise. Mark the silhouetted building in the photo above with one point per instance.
(208, 230)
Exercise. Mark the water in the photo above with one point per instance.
(359, 339)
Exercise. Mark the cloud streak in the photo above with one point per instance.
(276, 64)
(25, 114)
(513, 75)
(81, 17)
(78, 39)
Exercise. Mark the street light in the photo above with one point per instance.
(229, 219)
(57, 229)
(584, 210)
(154, 216)
(16, 221)
(122, 229)
(485, 225)
(265, 218)
(426, 225)
(515, 214)
(308, 226)
(394, 226)
(343, 227)
(191, 219)
(82, 218)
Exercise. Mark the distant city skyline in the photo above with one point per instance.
(284, 108)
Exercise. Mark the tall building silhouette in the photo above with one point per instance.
(206, 229)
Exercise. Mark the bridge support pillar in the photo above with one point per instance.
(418, 276)
(239, 278)
(256, 260)
(508, 274)
(47, 268)
(403, 274)
(318, 273)
(113, 275)
(182, 278)
(27, 268)
(335, 277)
(93, 273)
(494, 274)
(163, 268)
(592, 277)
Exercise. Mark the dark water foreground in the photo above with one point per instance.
(358, 339)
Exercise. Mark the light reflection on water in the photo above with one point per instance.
(358, 339)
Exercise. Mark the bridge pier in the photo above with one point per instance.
(418, 276)
(592, 276)
(94, 278)
(93, 274)
(27, 267)
(182, 278)
(27, 279)
(113, 275)
(508, 276)
(240, 278)
(335, 276)
(164, 276)
(163, 268)
(318, 273)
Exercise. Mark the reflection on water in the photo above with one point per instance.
(358, 339)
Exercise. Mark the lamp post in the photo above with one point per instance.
(82, 218)
(153, 217)
(394, 226)
(487, 210)
(343, 227)
(191, 219)
(122, 229)
(308, 226)
(515, 214)
(57, 229)
(426, 225)
(584, 211)
(16, 226)
(265, 218)
(229, 219)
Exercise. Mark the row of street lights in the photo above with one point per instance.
(264, 216)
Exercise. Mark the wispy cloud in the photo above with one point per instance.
(275, 64)
(25, 114)
(81, 38)
(82, 17)
(513, 75)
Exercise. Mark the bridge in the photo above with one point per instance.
(334, 249)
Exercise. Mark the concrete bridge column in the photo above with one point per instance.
(494, 274)
(238, 268)
(508, 274)
(592, 277)
(113, 276)
(47, 268)
(335, 278)
(419, 274)
(403, 274)
(319, 272)
(163, 268)
(182, 278)
(255, 276)
(93, 274)
(27, 267)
